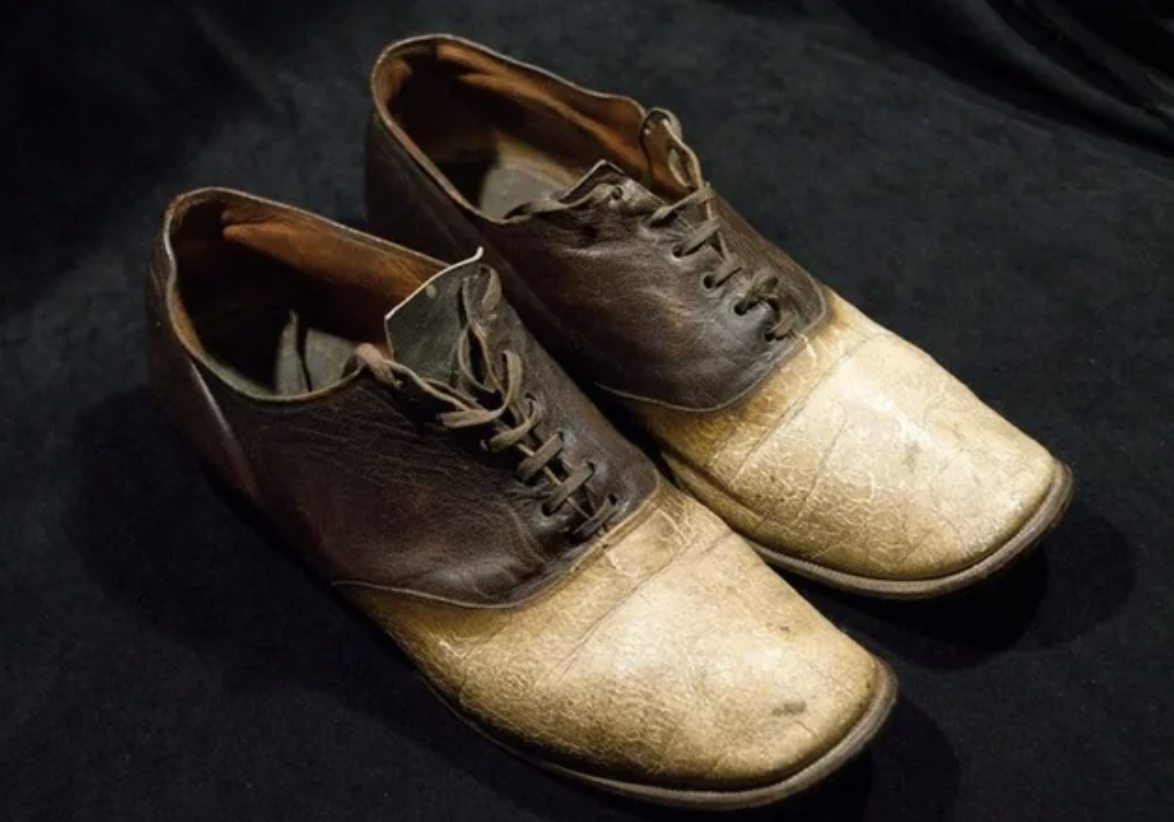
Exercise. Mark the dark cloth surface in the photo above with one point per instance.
(162, 658)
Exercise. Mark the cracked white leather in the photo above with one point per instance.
(861, 454)
(673, 656)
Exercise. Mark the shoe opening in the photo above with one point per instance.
(275, 299)
(496, 132)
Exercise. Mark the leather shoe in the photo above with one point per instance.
(403, 430)
(841, 451)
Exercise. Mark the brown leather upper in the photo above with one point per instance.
(361, 472)
(599, 282)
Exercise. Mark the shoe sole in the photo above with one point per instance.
(848, 748)
(1045, 518)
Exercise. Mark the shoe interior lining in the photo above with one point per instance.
(277, 302)
(501, 134)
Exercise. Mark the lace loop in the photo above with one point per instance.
(532, 465)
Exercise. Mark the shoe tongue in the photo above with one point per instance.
(602, 172)
(671, 170)
(423, 331)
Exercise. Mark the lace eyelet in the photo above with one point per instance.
(616, 194)
(546, 510)
(740, 309)
(707, 282)
(677, 251)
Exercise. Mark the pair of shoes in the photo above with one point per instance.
(407, 424)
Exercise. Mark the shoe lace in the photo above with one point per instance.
(493, 400)
(764, 286)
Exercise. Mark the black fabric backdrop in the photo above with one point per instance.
(996, 190)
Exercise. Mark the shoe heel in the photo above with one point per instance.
(186, 400)
(404, 205)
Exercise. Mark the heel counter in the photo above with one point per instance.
(164, 360)
(406, 206)
(181, 390)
